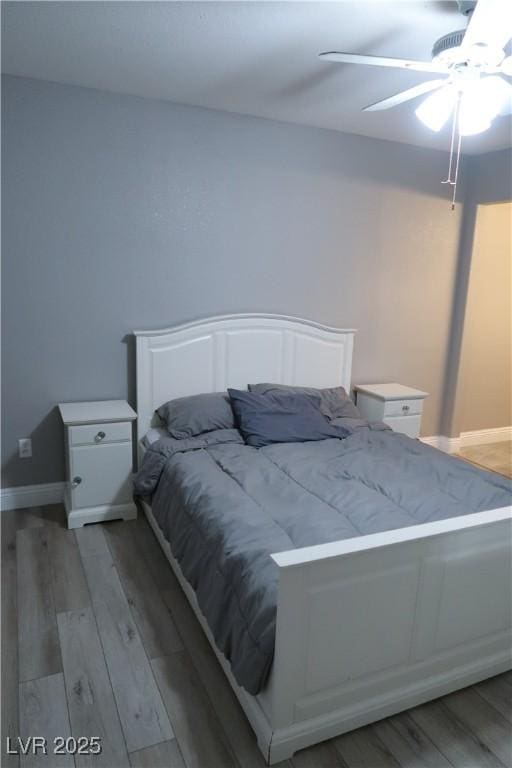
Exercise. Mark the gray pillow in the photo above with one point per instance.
(280, 417)
(334, 401)
(193, 415)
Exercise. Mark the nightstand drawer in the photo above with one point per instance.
(403, 407)
(97, 434)
(409, 425)
(101, 475)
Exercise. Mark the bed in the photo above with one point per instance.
(437, 595)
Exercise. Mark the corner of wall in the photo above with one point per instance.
(487, 178)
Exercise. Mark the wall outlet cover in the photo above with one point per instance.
(25, 448)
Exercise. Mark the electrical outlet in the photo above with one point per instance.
(25, 448)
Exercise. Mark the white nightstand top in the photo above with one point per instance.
(96, 412)
(391, 391)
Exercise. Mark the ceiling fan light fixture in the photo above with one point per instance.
(472, 119)
(480, 102)
(471, 125)
(495, 94)
(436, 109)
(488, 94)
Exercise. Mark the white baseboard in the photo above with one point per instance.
(484, 436)
(24, 496)
(443, 443)
(466, 439)
(53, 493)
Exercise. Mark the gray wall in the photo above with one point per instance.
(122, 213)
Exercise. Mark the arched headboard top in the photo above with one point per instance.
(215, 353)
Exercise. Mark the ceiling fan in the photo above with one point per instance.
(473, 62)
(473, 90)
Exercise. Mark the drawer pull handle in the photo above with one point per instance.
(76, 481)
(99, 437)
(405, 408)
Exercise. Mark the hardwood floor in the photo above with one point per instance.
(99, 640)
(494, 456)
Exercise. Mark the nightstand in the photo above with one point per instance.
(99, 461)
(397, 406)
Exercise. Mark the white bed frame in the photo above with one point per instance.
(366, 627)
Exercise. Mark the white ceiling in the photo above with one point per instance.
(256, 58)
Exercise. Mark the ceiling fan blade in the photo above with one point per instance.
(383, 61)
(490, 23)
(410, 93)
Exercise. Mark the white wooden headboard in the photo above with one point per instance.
(213, 354)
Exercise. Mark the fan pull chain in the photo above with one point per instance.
(452, 145)
(454, 182)
(453, 154)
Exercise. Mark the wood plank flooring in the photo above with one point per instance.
(494, 456)
(43, 711)
(99, 640)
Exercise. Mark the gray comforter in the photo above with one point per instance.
(225, 507)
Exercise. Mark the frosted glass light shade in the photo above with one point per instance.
(435, 110)
(471, 121)
(481, 101)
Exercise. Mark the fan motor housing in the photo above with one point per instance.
(447, 43)
(449, 50)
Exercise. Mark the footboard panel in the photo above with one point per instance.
(371, 626)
